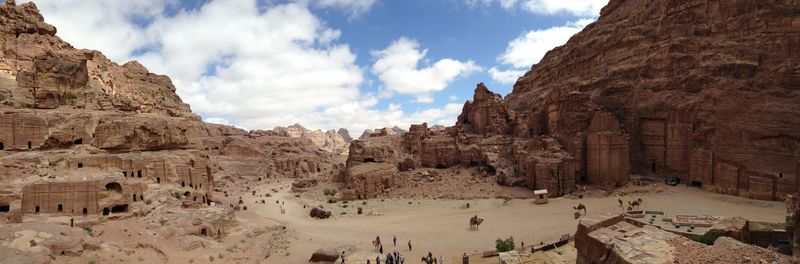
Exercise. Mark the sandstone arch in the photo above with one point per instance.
(114, 186)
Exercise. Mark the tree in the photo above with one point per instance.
(504, 245)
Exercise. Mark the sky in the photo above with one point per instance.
(325, 64)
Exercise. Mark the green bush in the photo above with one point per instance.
(88, 230)
(330, 192)
(708, 238)
(504, 245)
(2, 97)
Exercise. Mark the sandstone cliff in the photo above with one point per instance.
(708, 91)
(332, 141)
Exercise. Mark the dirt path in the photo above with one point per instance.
(441, 226)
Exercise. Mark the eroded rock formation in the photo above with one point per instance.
(703, 91)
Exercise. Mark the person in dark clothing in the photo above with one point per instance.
(381, 250)
(394, 240)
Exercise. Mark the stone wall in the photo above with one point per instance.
(607, 151)
(80, 197)
(21, 131)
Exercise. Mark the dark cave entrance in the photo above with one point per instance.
(119, 208)
(4, 208)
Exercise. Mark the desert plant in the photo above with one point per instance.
(708, 238)
(148, 202)
(504, 245)
(162, 221)
(88, 230)
(2, 97)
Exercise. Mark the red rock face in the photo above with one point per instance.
(705, 91)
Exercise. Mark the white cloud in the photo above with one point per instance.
(397, 68)
(530, 47)
(240, 63)
(578, 8)
(109, 21)
(505, 76)
(582, 8)
(355, 6)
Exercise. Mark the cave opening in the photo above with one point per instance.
(369, 160)
(119, 208)
(696, 184)
(440, 166)
(114, 186)
(5, 208)
(80, 165)
(60, 207)
(158, 180)
(139, 173)
(106, 211)
(490, 170)
(30, 145)
(653, 167)
(85, 211)
(78, 141)
(2, 146)
(203, 231)
(473, 164)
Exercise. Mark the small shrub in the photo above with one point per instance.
(148, 202)
(163, 221)
(2, 97)
(177, 195)
(90, 261)
(88, 230)
(504, 245)
(71, 96)
(330, 192)
(708, 238)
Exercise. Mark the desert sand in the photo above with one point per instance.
(441, 226)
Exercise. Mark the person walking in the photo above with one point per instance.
(394, 240)
(342, 257)
(409, 245)
(381, 250)
(378, 259)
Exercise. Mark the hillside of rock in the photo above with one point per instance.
(707, 91)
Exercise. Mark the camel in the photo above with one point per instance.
(580, 207)
(475, 222)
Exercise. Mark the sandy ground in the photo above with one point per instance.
(441, 226)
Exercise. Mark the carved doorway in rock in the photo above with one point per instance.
(4, 208)
(106, 211)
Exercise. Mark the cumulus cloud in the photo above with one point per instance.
(508, 76)
(242, 63)
(355, 6)
(397, 67)
(110, 22)
(530, 47)
(579, 8)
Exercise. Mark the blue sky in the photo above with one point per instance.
(325, 63)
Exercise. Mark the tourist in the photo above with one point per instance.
(409, 245)
(381, 249)
(620, 202)
(378, 259)
(394, 240)
(71, 222)
(342, 257)
(389, 258)
(441, 259)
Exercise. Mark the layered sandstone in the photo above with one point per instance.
(656, 88)
(337, 142)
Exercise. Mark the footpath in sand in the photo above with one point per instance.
(442, 226)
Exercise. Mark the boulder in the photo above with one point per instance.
(332, 254)
(319, 213)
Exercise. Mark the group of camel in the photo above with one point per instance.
(635, 204)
